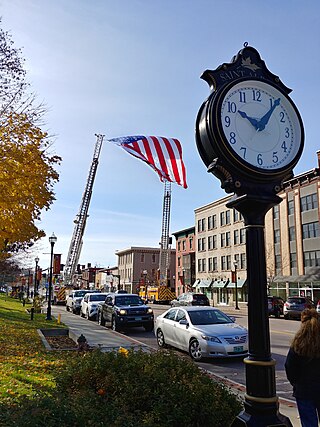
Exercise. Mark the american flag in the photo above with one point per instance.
(164, 155)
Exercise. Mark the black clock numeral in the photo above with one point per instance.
(227, 121)
(244, 150)
(232, 107)
(232, 138)
(282, 120)
(287, 134)
(284, 146)
(256, 95)
(275, 158)
(259, 159)
(242, 96)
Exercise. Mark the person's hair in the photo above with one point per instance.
(307, 340)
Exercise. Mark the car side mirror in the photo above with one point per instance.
(232, 318)
(184, 322)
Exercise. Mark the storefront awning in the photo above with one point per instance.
(205, 283)
(196, 283)
(240, 284)
(220, 283)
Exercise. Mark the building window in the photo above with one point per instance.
(293, 260)
(310, 230)
(235, 215)
(236, 239)
(278, 263)
(242, 235)
(223, 263)
(309, 202)
(222, 218)
(141, 257)
(179, 261)
(292, 234)
(290, 207)
(179, 246)
(311, 259)
(183, 245)
(210, 242)
(276, 235)
(202, 265)
(228, 238)
(210, 264)
(201, 225)
(243, 262)
(153, 258)
(210, 225)
(191, 243)
(202, 244)
(237, 259)
(228, 219)
(212, 222)
(276, 212)
(228, 262)
(215, 263)
(223, 240)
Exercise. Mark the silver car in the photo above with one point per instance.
(202, 332)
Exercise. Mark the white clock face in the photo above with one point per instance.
(260, 125)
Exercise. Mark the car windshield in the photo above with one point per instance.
(97, 297)
(208, 317)
(296, 300)
(124, 299)
(200, 298)
(78, 294)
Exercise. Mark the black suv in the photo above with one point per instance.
(121, 311)
(190, 298)
(275, 306)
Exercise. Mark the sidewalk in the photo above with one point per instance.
(108, 340)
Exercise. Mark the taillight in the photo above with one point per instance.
(286, 304)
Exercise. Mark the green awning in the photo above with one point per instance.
(205, 283)
(240, 284)
(220, 283)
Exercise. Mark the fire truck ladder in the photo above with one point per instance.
(81, 218)
(165, 244)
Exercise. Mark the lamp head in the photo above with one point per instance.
(53, 239)
(36, 259)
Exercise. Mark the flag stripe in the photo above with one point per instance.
(163, 154)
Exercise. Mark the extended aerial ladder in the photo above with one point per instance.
(81, 218)
(165, 246)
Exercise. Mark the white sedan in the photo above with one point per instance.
(89, 305)
(202, 332)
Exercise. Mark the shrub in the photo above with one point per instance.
(131, 389)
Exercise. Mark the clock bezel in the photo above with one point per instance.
(215, 128)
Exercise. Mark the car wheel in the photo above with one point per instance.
(67, 308)
(101, 320)
(160, 339)
(195, 350)
(114, 325)
(149, 327)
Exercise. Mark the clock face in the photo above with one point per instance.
(260, 125)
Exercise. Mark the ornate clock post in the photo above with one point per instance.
(250, 135)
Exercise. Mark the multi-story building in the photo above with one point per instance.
(107, 279)
(220, 250)
(291, 239)
(185, 260)
(139, 264)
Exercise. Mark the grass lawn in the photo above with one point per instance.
(25, 367)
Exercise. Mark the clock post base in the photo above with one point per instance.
(264, 416)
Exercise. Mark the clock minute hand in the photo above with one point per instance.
(262, 123)
(253, 121)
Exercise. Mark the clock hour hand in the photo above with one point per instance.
(264, 120)
(253, 121)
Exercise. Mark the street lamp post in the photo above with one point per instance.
(145, 272)
(183, 279)
(35, 277)
(52, 240)
(236, 283)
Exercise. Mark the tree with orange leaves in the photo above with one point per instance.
(27, 169)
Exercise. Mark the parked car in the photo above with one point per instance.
(295, 305)
(275, 306)
(120, 311)
(73, 301)
(89, 305)
(202, 332)
(190, 298)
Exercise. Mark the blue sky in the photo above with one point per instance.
(132, 67)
